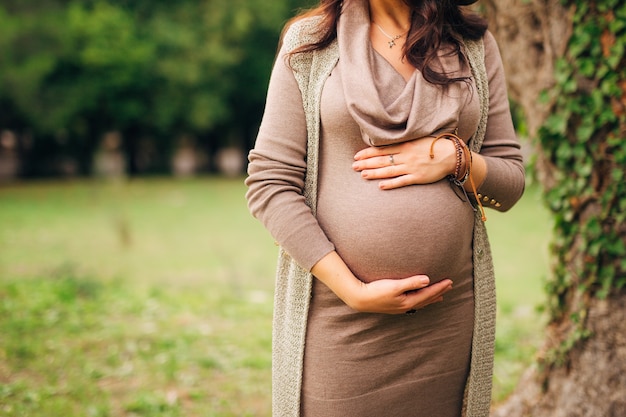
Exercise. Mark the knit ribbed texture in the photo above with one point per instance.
(293, 284)
(478, 391)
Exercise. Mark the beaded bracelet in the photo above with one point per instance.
(461, 150)
(460, 180)
(459, 159)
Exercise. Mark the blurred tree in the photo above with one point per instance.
(566, 66)
(153, 70)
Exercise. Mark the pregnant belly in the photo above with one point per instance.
(419, 229)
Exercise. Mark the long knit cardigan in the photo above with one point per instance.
(293, 283)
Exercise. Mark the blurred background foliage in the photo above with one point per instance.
(134, 80)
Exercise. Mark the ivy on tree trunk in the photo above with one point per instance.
(566, 68)
(583, 141)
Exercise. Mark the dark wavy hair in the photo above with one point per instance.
(434, 23)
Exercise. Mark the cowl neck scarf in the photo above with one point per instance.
(387, 109)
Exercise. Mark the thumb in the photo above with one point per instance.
(414, 283)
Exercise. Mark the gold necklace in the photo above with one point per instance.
(392, 39)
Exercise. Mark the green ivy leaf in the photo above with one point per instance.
(556, 123)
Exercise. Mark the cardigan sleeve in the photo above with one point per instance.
(504, 183)
(277, 168)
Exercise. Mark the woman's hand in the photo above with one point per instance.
(399, 296)
(406, 163)
(388, 296)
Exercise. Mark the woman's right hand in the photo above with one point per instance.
(397, 296)
(387, 296)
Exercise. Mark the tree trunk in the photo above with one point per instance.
(590, 378)
(531, 35)
(592, 384)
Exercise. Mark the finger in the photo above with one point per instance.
(397, 182)
(377, 162)
(442, 286)
(435, 290)
(414, 283)
(372, 152)
(441, 291)
(421, 298)
(420, 280)
(382, 173)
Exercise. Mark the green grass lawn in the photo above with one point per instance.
(519, 240)
(154, 298)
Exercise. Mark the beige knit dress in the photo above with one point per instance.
(358, 364)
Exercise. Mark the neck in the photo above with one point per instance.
(393, 15)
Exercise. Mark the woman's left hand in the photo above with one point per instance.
(406, 163)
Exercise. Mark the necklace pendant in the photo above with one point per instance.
(392, 39)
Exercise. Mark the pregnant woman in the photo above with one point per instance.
(386, 131)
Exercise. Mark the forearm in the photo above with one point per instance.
(335, 274)
(387, 296)
(503, 185)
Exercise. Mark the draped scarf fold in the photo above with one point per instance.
(385, 113)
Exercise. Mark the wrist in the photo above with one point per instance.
(355, 297)
(453, 153)
(443, 153)
(463, 166)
